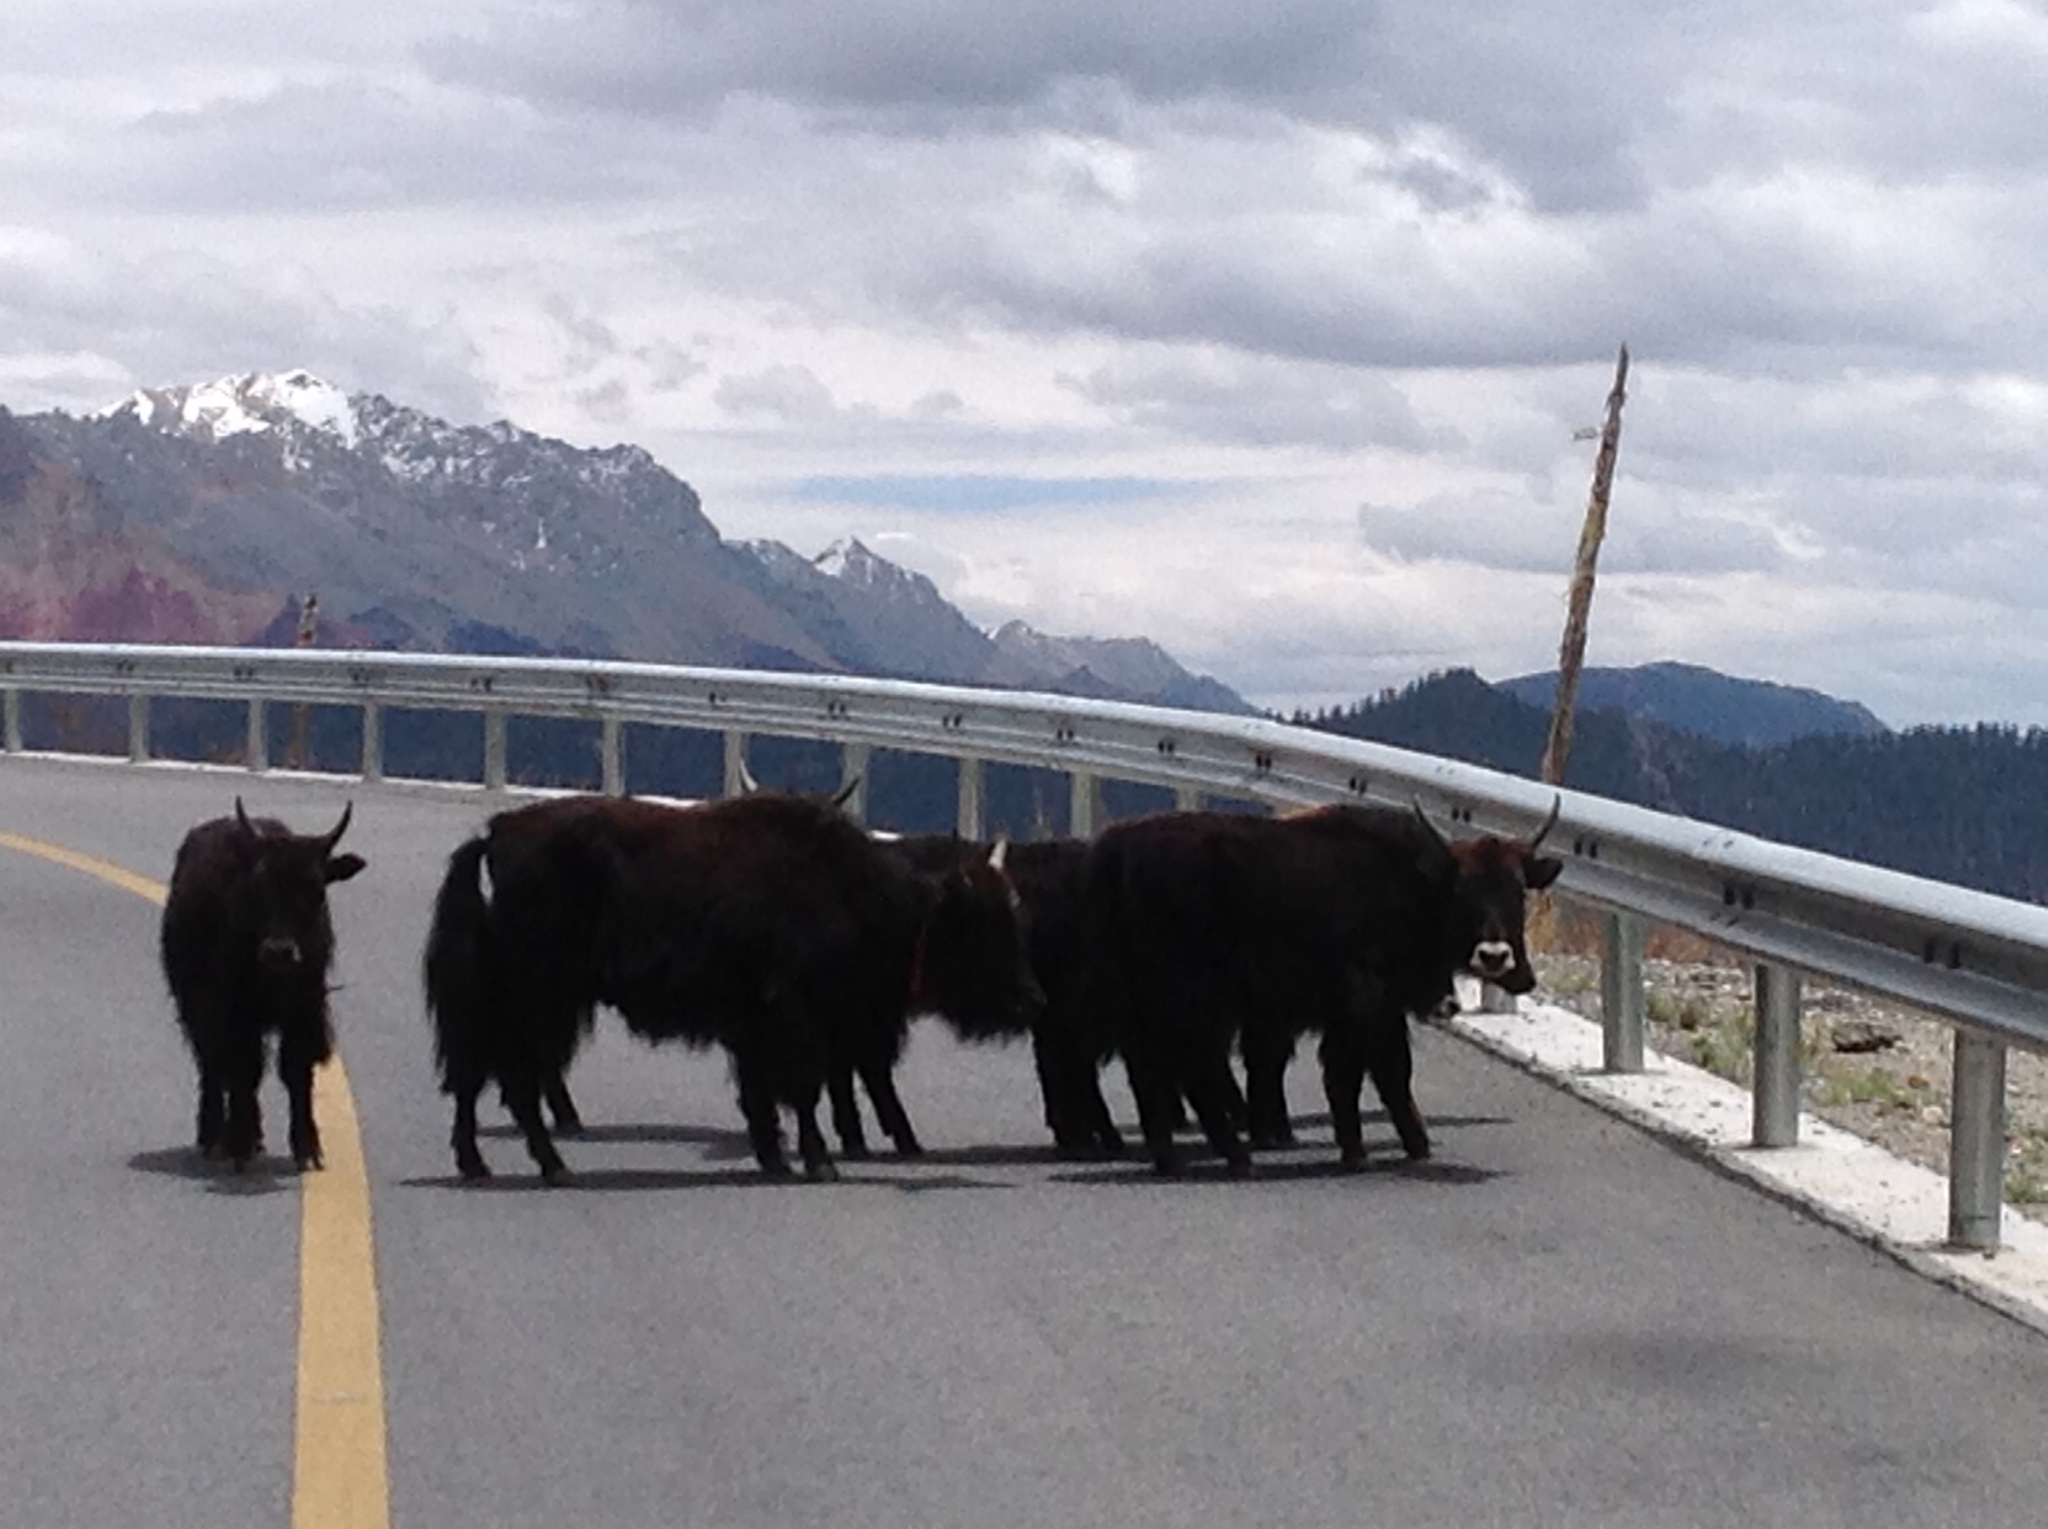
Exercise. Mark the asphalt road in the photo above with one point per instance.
(1560, 1321)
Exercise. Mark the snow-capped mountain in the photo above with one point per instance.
(239, 494)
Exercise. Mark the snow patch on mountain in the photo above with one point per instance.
(255, 403)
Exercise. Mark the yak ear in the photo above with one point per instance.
(1539, 871)
(342, 867)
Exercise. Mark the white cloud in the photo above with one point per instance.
(1350, 275)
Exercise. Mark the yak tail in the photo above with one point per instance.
(454, 966)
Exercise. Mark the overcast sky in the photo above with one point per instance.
(1261, 330)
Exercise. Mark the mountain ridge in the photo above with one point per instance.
(420, 533)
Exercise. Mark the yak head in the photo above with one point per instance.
(972, 964)
(284, 884)
(1489, 879)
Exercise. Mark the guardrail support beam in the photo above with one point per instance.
(494, 750)
(611, 755)
(256, 750)
(10, 702)
(1976, 1154)
(1084, 804)
(853, 772)
(373, 741)
(138, 728)
(735, 763)
(971, 819)
(1774, 1117)
(1622, 938)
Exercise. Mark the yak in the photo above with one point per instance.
(768, 924)
(1212, 930)
(1048, 877)
(246, 943)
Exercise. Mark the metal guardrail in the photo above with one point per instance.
(1979, 960)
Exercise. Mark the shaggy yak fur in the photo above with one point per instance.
(1213, 930)
(768, 924)
(246, 945)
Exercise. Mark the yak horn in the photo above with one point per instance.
(748, 785)
(242, 817)
(846, 792)
(334, 835)
(995, 855)
(1556, 808)
(1423, 818)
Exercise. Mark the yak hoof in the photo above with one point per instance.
(855, 1151)
(557, 1176)
(776, 1168)
(910, 1147)
(824, 1171)
(310, 1162)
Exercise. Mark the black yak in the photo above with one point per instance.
(246, 944)
(768, 924)
(1213, 929)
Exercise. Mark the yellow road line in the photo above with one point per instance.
(105, 870)
(340, 1477)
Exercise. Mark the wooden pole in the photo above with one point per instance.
(1571, 656)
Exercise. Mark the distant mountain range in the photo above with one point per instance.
(1966, 805)
(202, 514)
(1756, 714)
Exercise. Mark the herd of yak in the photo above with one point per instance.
(775, 926)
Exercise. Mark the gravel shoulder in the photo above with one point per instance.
(1871, 1066)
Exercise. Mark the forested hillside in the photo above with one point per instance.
(1967, 805)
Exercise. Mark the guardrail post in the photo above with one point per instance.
(1774, 1115)
(373, 741)
(1622, 937)
(970, 821)
(494, 750)
(138, 728)
(735, 763)
(256, 752)
(11, 704)
(853, 772)
(611, 754)
(1187, 798)
(1976, 1151)
(1084, 804)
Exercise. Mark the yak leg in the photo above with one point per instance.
(1212, 1092)
(520, 1084)
(212, 1111)
(296, 1057)
(561, 1107)
(1343, 1077)
(1158, 1096)
(879, 1077)
(241, 1074)
(1074, 1107)
(464, 1084)
(764, 1121)
(846, 1121)
(1392, 1067)
(1265, 1087)
(810, 1141)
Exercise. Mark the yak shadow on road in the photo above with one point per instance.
(266, 1175)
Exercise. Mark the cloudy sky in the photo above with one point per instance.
(1260, 330)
